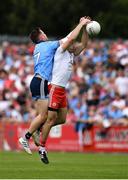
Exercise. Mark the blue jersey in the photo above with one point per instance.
(44, 57)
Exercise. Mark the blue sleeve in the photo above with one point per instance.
(55, 44)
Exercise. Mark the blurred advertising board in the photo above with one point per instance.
(64, 138)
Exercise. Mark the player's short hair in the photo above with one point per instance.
(34, 35)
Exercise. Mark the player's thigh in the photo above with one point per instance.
(41, 106)
(52, 117)
(61, 116)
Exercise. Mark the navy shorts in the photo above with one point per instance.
(39, 88)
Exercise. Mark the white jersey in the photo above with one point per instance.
(62, 67)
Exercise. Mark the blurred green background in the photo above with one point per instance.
(58, 17)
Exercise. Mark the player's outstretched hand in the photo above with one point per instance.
(85, 20)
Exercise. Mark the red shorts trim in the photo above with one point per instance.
(57, 97)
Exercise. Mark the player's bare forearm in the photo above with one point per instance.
(84, 41)
(72, 36)
(83, 21)
(84, 38)
(76, 32)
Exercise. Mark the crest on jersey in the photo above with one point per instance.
(54, 104)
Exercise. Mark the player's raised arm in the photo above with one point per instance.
(84, 39)
(66, 42)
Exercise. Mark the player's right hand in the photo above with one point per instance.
(85, 20)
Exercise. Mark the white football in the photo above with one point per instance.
(93, 28)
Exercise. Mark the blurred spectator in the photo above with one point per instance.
(121, 83)
(97, 91)
(16, 70)
(118, 102)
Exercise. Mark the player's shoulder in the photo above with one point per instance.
(42, 43)
(60, 49)
(52, 44)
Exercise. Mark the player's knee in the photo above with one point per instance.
(62, 121)
(43, 117)
(51, 121)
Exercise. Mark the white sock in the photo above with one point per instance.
(42, 148)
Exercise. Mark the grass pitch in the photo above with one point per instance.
(19, 165)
